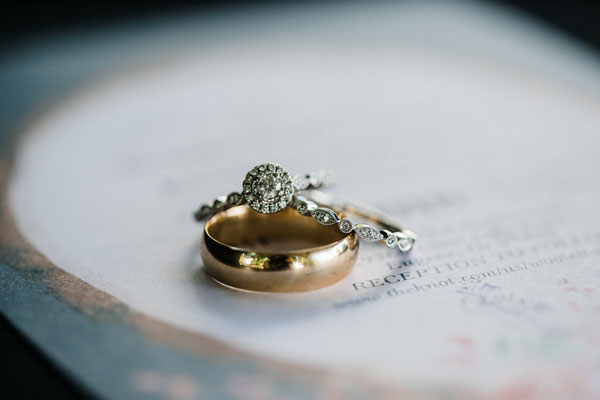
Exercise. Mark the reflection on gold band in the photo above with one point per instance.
(281, 252)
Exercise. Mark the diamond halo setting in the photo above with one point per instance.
(268, 188)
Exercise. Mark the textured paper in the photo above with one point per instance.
(483, 139)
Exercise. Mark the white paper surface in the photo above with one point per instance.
(476, 130)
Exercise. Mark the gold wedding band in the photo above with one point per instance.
(281, 252)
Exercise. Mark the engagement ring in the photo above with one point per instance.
(268, 188)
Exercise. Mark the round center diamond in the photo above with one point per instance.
(268, 188)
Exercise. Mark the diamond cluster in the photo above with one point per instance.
(268, 188)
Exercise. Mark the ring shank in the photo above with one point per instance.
(346, 207)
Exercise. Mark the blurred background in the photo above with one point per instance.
(23, 20)
(23, 368)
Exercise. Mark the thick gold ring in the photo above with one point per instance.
(281, 252)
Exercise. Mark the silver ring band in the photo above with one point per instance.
(326, 210)
(268, 188)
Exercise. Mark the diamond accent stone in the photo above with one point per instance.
(268, 188)
(204, 211)
(405, 243)
(301, 182)
(368, 233)
(302, 208)
(315, 179)
(218, 203)
(325, 216)
(233, 199)
(345, 225)
(391, 240)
